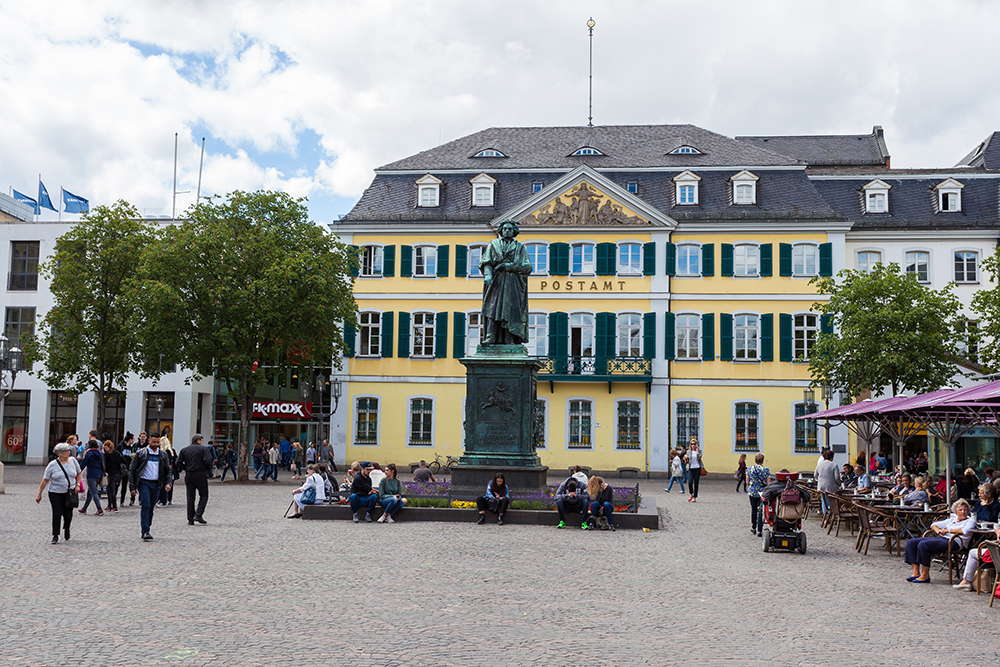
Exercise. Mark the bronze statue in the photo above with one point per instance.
(505, 266)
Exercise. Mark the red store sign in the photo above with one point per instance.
(282, 410)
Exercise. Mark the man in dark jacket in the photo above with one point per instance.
(147, 474)
(196, 462)
(362, 493)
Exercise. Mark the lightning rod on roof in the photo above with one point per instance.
(590, 101)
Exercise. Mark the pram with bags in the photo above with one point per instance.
(785, 506)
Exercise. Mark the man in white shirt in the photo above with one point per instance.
(147, 474)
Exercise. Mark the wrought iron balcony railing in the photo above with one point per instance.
(604, 369)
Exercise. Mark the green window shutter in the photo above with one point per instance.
(826, 259)
(389, 263)
(727, 260)
(355, 260)
(405, 263)
(649, 259)
(669, 336)
(461, 259)
(649, 335)
(767, 337)
(605, 347)
(785, 259)
(784, 337)
(349, 339)
(442, 261)
(671, 268)
(725, 336)
(441, 335)
(708, 337)
(708, 259)
(558, 341)
(387, 319)
(606, 260)
(559, 259)
(765, 259)
(826, 324)
(403, 350)
(458, 337)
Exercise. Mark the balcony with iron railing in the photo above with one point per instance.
(595, 369)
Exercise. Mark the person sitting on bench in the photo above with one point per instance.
(497, 499)
(571, 496)
(362, 493)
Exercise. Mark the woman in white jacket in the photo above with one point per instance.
(301, 495)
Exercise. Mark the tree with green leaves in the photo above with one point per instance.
(986, 304)
(88, 340)
(246, 285)
(889, 331)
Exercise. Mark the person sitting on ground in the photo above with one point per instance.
(390, 494)
(362, 493)
(423, 474)
(919, 495)
(571, 496)
(863, 482)
(301, 498)
(957, 527)
(972, 564)
(904, 488)
(377, 474)
(848, 478)
(987, 507)
(496, 499)
(601, 507)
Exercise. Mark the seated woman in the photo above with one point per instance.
(390, 495)
(902, 489)
(972, 564)
(987, 507)
(919, 551)
(601, 505)
(311, 492)
(496, 499)
(919, 495)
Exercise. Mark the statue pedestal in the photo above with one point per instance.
(499, 422)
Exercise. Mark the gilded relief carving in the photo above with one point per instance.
(587, 206)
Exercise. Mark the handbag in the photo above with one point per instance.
(494, 504)
(704, 470)
(308, 496)
(104, 477)
(72, 497)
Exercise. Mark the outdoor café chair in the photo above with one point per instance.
(875, 524)
(984, 547)
(994, 549)
(842, 513)
(953, 556)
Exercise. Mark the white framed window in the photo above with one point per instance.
(581, 258)
(876, 202)
(805, 328)
(371, 261)
(482, 190)
(475, 254)
(587, 150)
(422, 334)
(746, 259)
(917, 262)
(688, 259)
(966, 266)
(428, 191)
(632, 187)
(805, 258)
(686, 188)
(538, 334)
(687, 335)
(369, 334)
(538, 254)
(629, 259)
(489, 152)
(425, 261)
(473, 331)
(746, 337)
(685, 150)
(421, 422)
(876, 196)
(537, 187)
(628, 426)
(579, 427)
(581, 343)
(867, 259)
(629, 335)
(949, 195)
(746, 426)
(744, 188)
(687, 421)
(806, 436)
(366, 421)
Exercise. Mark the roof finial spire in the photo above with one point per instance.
(590, 106)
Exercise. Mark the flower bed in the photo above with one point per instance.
(438, 494)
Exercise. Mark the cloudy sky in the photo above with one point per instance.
(310, 97)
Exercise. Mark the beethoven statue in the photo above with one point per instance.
(505, 266)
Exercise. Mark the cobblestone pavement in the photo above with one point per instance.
(252, 588)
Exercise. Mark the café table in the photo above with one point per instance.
(913, 520)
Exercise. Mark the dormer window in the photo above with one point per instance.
(587, 150)
(949, 195)
(876, 196)
(686, 188)
(744, 188)
(489, 152)
(482, 190)
(685, 150)
(428, 191)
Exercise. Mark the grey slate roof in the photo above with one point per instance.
(856, 150)
(622, 146)
(986, 155)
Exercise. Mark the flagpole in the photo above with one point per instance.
(173, 214)
(201, 163)
(60, 203)
(38, 203)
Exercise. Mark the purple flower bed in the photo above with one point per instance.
(622, 495)
(427, 488)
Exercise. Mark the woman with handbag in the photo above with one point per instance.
(311, 492)
(496, 499)
(741, 473)
(63, 477)
(694, 469)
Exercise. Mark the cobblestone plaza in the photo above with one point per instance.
(251, 588)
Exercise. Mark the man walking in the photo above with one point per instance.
(147, 474)
(286, 452)
(196, 462)
(326, 454)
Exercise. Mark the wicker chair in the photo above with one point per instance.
(876, 524)
(842, 512)
(953, 556)
(994, 549)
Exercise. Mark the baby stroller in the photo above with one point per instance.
(785, 505)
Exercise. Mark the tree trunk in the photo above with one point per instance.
(102, 405)
(245, 409)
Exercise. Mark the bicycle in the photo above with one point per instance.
(438, 463)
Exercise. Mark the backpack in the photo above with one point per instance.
(790, 504)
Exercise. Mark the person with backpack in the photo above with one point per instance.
(757, 479)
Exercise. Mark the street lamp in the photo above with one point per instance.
(809, 398)
(158, 404)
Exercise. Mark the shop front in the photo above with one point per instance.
(274, 420)
(15, 426)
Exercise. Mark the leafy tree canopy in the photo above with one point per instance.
(986, 303)
(890, 331)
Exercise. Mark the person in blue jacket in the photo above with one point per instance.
(497, 499)
(93, 461)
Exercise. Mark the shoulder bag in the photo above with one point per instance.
(72, 497)
(104, 477)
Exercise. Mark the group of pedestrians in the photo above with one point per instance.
(687, 463)
(268, 457)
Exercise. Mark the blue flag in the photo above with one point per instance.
(73, 203)
(25, 199)
(43, 197)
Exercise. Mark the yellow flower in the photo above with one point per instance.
(463, 504)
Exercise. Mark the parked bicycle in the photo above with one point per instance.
(440, 464)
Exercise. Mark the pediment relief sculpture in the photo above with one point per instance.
(583, 205)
